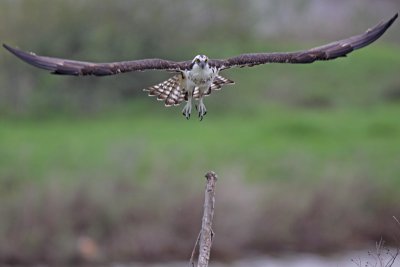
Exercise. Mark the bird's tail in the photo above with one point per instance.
(220, 81)
(170, 91)
(173, 92)
(217, 84)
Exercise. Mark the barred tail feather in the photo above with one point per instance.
(169, 91)
(173, 93)
(220, 81)
(217, 84)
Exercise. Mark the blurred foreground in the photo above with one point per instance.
(93, 171)
(294, 260)
(310, 180)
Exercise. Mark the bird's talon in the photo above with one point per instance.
(187, 111)
(202, 111)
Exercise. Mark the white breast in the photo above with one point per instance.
(201, 77)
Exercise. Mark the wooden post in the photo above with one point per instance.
(206, 234)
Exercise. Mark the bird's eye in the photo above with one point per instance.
(197, 60)
(206, 60)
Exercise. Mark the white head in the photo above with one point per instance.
(200, 61)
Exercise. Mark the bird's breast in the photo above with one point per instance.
(200, 78)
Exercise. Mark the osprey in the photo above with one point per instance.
(197, 78)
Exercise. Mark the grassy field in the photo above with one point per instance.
(259, 143)
(334, 110)
(310, 153)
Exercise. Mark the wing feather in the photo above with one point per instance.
(326, 52)
(80, 68)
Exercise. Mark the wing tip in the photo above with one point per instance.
(395, 16)
(393, 19)
(10, 49)
(35, 60)
(374, 33)
(19, 53)
(387, 24)
(384, 26)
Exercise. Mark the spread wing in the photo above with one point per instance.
(327, 52)
(78, 68)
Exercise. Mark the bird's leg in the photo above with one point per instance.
(187, 110)
(201, 109)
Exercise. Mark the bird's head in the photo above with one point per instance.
(200, 61)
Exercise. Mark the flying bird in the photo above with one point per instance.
(197, 78)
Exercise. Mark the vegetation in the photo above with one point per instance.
(91, 169)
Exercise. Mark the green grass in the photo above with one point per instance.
(301, 151)
(137, 145)
(257, 124)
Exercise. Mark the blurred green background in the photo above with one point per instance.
(93, 170)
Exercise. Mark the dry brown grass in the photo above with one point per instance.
(120, 220)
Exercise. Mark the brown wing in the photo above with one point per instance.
(73, 67)
(327, 52)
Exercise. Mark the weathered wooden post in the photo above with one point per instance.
(206, 234)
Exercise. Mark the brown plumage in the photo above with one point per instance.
(327, 52)
(199, 77)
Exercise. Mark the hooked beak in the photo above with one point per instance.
(202, 64)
